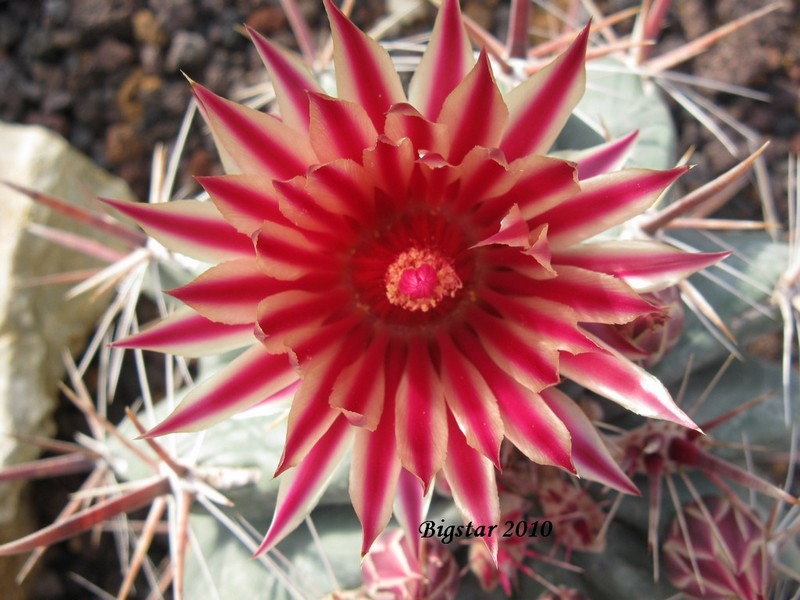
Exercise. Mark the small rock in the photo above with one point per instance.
(151, 59)
(64, 39)
(129, 95)
(147, 29)
(267, 19)
(56, 100)
(187, 50)
(55, 12)
(112, 55)
(10, 31)
(94, 15)
(174, 15)
(123, 143)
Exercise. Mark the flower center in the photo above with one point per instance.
(419, 278)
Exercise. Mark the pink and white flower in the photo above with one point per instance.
(415, 271)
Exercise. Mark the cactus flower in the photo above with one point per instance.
(720, 553)
(411, 270)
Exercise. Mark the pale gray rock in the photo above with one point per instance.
(37, 322)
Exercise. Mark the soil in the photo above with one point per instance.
(107, 75)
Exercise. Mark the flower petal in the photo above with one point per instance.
(539, 107)
(189, 334)
(311, 414)
(373, 477)
(229, 292)
(288, 253)
(513, 231)
(339, 129)
(604, 202)
(611, 375)
(301, 488)
(470, 402)
(471, 478)
(594, 297)
(342, 187)
(411, 506)
(404, 121)
(542, 319)
(301, 207)
(589, 454)
(360, 390)
(604, 158)
(245, 201)
(281, 315)
(391, 165)
(532, 362)
(645, 266)
(290, 79)
(365, 73)
(484, 173)
(474, 112)
(421, 420)
(447, 60)
(192, 228)
(527, 421)
(249, 379)
(254, 141)
(538, 183)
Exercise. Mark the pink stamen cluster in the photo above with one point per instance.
(419, 278)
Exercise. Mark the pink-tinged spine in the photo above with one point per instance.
(249, 379)
(290, 79)
(192, 228)
(609, 374)
(301, 488)
(605, 158)
(687, 453)
(471, 477)
(645, 266)
(539, 108)
(603, 203)
(421, 423)
(256, 142)
(339, 129)
(589, 454)
(189, 334)
(447, 60)
(365, 73)
(84, 520)
(474, 112)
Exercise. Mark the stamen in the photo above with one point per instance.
(420, 278)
